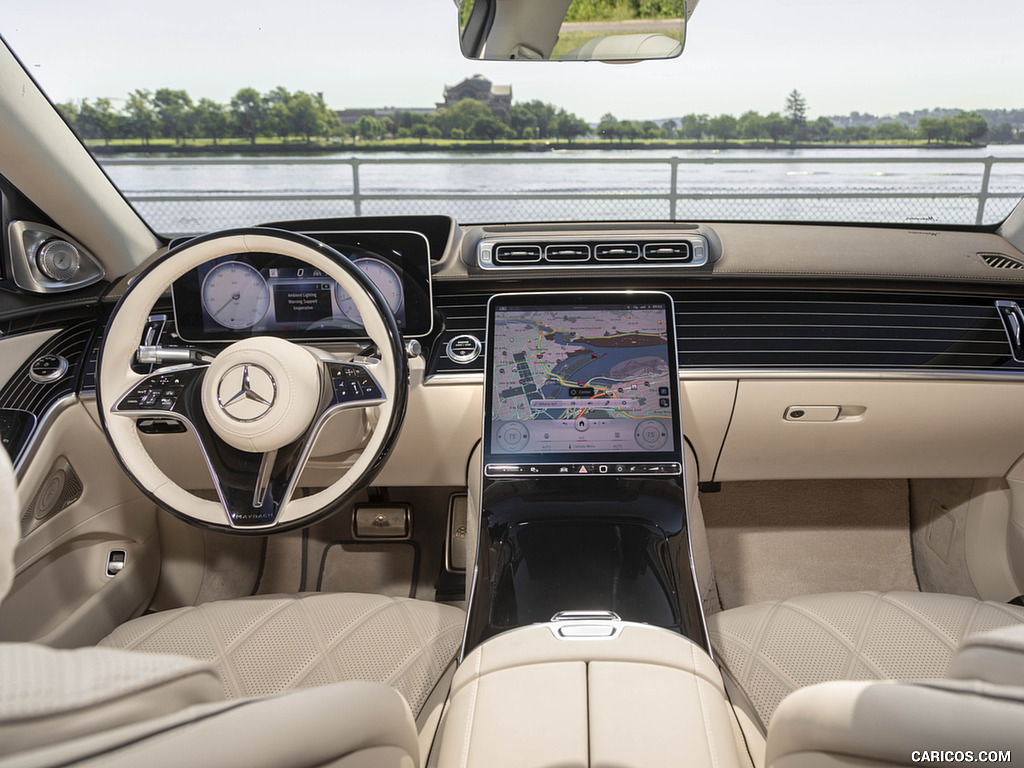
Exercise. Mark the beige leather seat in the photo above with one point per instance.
(771, 649)
(268, 644)
(973, 716)
(197, 685)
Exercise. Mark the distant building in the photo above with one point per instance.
(351, 116)
(478, 87)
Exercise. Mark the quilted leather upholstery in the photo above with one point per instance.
(50, 695)
(774, 648)
(268, 644)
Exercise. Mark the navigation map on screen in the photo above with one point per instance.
(581, 379)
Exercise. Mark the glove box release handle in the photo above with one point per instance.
(812, 413)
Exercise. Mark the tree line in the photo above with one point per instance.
(792, 125)
(172, 114)
(471, 119)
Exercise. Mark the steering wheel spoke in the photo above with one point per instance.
(254, 487)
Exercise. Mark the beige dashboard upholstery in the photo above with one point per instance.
(527, 699)
(772, 649)
(268, 644)
(973, 717)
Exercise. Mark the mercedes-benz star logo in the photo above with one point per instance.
(246, 392)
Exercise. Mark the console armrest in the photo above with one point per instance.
(634, 697)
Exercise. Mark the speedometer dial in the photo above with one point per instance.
(382, 275)
(235, 295)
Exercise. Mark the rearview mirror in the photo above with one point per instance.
(573, 30)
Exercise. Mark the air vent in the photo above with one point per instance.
(567, 252)
(999, 261)
(598, 251)
(24, 393)
(678, 252)
(517, 254)
(617, 252)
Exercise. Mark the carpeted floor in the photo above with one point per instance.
(324, 557)
(775, 539)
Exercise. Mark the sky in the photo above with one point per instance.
(874, 56)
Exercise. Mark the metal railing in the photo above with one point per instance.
(503, 188)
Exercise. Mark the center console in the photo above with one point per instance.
(583, 502)
(585, 642)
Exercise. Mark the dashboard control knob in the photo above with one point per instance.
(58, 259)
(464, 349)
(47, 369)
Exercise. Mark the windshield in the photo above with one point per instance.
(207, 115)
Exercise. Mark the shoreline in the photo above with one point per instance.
(483, 147)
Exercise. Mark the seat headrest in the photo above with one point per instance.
(994, 657)
(10, 526)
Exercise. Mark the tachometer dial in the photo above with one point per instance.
(382, 275)
(235, 295)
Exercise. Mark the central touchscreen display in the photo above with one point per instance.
(591, 381)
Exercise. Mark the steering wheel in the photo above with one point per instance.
(258, 407)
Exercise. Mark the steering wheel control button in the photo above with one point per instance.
(464, 349)
(159, 392)
(246, 392)
(512, 436)
(651, 434)
(48, 369)
(353, 384)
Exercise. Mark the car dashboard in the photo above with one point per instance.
(782, 329)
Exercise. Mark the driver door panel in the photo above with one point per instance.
(77, 507)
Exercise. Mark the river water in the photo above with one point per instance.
(857, 185)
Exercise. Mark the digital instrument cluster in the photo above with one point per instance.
(267, 294)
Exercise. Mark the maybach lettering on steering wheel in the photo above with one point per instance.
(257, 408)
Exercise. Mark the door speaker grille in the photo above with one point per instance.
(59, 490)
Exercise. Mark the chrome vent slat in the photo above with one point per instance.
(566, 253)
(617, 252)
(517, 254)
(678, 252)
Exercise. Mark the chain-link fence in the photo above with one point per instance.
(188, 196)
